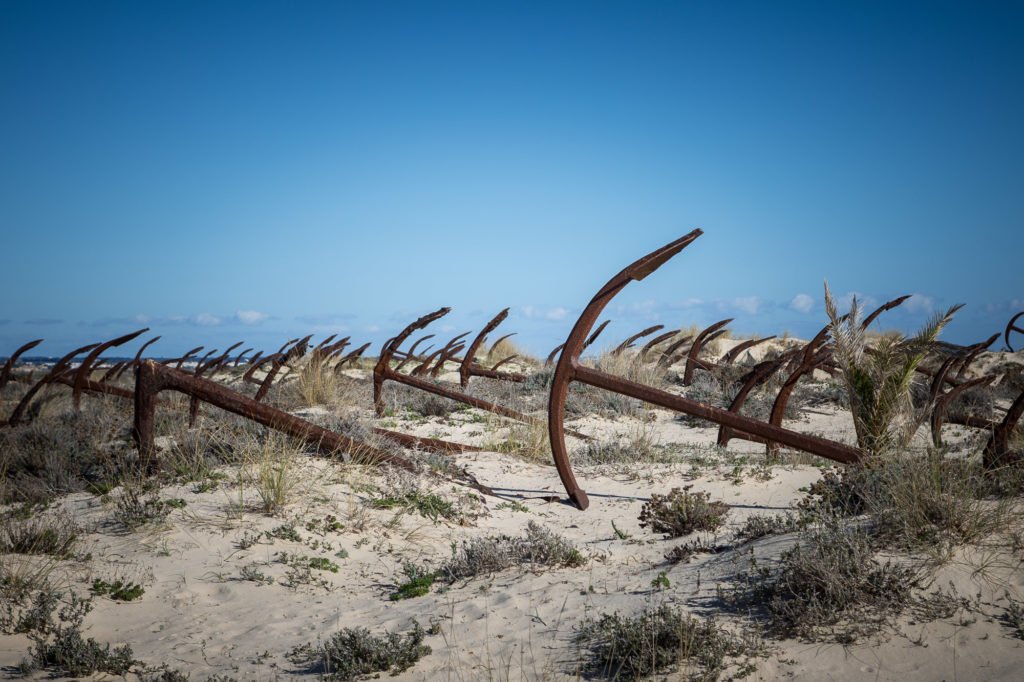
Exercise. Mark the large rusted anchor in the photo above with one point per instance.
(1011, 327)
(570, 369)
(941, 401)
(62, 365)
(8, 368)
(116, 374)
(706, 336)
(277, 360)
(384, 372)
(628, 343)
(469, 367)
(737, 350)
(84, 370)
(586, 344)
(351, 357)
(152, 378)
(656, 341)
(997, 450)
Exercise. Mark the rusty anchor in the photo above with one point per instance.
(569, 369)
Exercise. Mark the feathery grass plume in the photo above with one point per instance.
(270, 465)
(317, 383)
(629, 366)
(879, 379)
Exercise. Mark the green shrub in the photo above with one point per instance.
(681, 512)
(418, 583)
(355, 652)
(761, 525)
(42, 533)
(880, 378)
(117, 590)
(428, 505)
(830, 580)
(538, 547)
(656, 642)
(137, 507)
(58, 644)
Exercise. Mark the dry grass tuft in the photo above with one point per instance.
(528, 441)
(657, 641)
(507, 348)
(271, 468)
(681, 512)
(317, 382)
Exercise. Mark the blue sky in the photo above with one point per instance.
(242, 170)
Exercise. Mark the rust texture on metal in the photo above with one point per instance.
(417, 342)
(419, 369)
(8, 368)
(383, 372)
(470, 368)
(469, 358)
(135, 362)
(593, 337)
(659, 339)
(152, 378)
(450, 355)
(90, 386)
(429, 366)
(1011, 326)
(889, 305)
(201, 369)
(758, 374)
(971, 354)
(709, 334)
(569, 369)
(433, 444)
(336, 348)
(254, 365)
(498, 375)
(692, 355)
(115, 370)
(17, 416)
(941, 406)
(215, 365)
(85, 368)
(814, 354)
(738, 349)
(497, 343)
(297, 350)
(180, 361)
(321, 347)
(668, 355)
(351, 357)
(628, 343)
(997, 450)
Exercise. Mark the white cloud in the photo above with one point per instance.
(648, 309)
(206, 320)
(250, 316)
(532, 312)
(802, 303)
(747, 304)
(866, 302)
(686, 303)
(919, 303)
